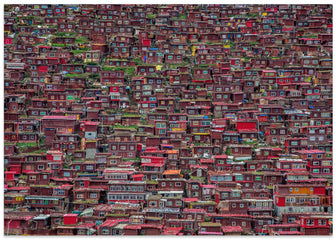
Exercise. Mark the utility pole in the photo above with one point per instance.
(17, 132)
(8, 226)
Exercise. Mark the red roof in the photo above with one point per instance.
(190, 199)
(60, 117)
(211, 233)
(65, 186)
(193, 210)
(61, 179)
(110, 223)
(206, 160)
(91, 123)
(231, 229)
(172, 230)
(132, 227)
(220, 156)
(138, 175)
(277, 149)
(71, 215)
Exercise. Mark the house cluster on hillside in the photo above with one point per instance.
(168, 119)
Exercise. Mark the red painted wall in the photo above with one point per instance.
(281, 201)
(70, 219)
(245, 125)
(146, 42)
(319, 190)
(12, 224)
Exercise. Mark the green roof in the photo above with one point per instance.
(209, 224)
(204, 203)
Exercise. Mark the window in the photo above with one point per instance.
(326, 163)
(93, 195)
(315, 163)
(162, 131)
(310, 222)
(322, 222)
(89, 167)
(33, 177)
(80, 195)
